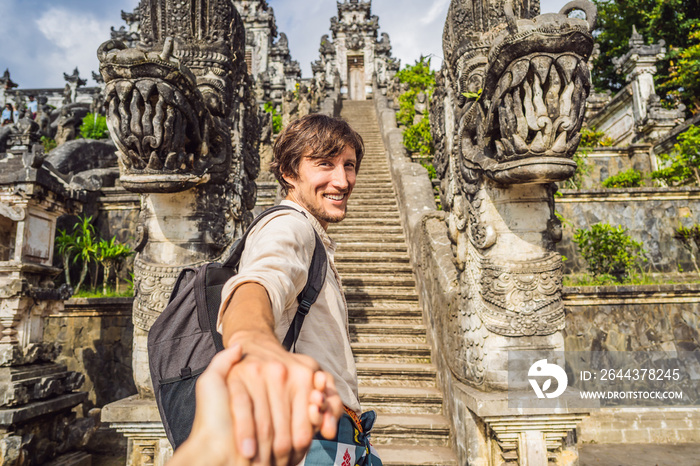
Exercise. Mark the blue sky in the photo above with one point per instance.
(41, 39)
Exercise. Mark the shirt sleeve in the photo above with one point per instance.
(277, 255)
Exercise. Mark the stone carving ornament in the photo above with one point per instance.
(506, 115)
(182, 113)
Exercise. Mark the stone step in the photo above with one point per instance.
(367, 246)
(371, 293)
(372, 208)
(411, 353)
(361, 222)
(401, 400)
(368, 241)
(369, 192)
(360, 331)
(360, 280)
(396, 375)
(369, 229)
(386, 257)
(407, 455)
(383, 312)
(359, 266)
(412, 429)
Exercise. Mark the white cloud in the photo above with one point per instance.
(75, 37)
(438, 9)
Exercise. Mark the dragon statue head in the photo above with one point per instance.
(515, 86)
(174, 100)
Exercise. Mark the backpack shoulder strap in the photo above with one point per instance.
(235, 256)
(307, 297)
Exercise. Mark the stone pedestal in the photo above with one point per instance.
(529, 436)
(138, 419)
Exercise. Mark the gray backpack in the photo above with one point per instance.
(183, 340)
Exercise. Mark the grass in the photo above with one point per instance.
(125, 292)
(585, 279)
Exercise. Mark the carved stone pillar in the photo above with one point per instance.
(506, 117)
(183, 115)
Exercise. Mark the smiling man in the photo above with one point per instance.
(280, 399)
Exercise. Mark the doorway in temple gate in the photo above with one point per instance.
(356, 77)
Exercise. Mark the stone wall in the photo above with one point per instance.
(95, 336)
(639, 318)
(605, 162)
(649, 214)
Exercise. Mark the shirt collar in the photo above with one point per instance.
(327, 240)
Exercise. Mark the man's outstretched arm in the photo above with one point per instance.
(278, 399)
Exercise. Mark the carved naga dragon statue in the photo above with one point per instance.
(506, 115)
(181, 111)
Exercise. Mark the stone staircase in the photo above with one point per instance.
(396, 376)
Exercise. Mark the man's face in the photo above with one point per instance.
(323, 186)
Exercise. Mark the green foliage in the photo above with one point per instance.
(583, 169)
(269, 107)
(670, 20)
(419, 78)
(94, 127)
(111, 255)
(432, 173)
(83, 246)
(689, 237)
(608, 250)
(682, 165)
(592, 138)
(683, 82)
(628, 179)
(48, 143)
(417, 138)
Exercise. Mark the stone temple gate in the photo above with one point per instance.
(354, 55)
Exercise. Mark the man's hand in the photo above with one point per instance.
(278, 399)
(211, 441)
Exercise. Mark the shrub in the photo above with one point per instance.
(608, 250)
(628, 179)
(592, 138)
(269, 107)
(681, 167)
(48, 143)
(419, 78)
(688, 236)
(417, 138)
(94, 127)
(583, 169)
(84, 247)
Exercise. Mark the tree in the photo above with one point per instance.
(683, 82)
(111, 255)
(682, 166)
(80, 245)
(670, 20)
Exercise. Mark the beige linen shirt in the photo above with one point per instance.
(277, 255)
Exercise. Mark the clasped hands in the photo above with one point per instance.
(258, 404)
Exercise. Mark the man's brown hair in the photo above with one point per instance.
(316, 136)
